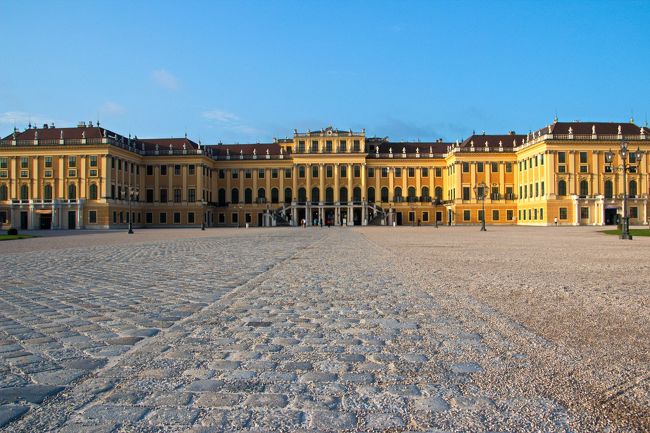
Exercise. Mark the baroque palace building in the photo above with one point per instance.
(91, 177)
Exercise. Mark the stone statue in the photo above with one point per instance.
(570, 130)
(83, 134)
(61, 134)
(403, 149)
(267, 151)
(36, 135)
(619, 129)
(255, 152)
(593, 129)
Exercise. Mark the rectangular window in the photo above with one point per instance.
(72, 161)
(536, 189)
(163, 170)
(177, 217)
(191, 195)
(222, 173)
(384, 172)
(72, 173)
(162, 218)
(248, 174)
(584, 213)
(541, 159)
(494, 167)
(479, 167)
(371, 172)
(301, 172)
(356, 169)
(177, 170)
(48, 173)
(344, 171)
(398, 172)
(148, 218)
(438, 171)
(191, 169)
(519, 215)
(343, 146)
(411, 217)
(466, 193)
(177, 195)
(561, 157)
(4, 174)
(222, 218)
(25, 173)
(541, 213)
(93, 161)
(425, 216)
(508, 167)
(314, 145)
(424, 172)
(287, 173)
(92, 217)
(163, 195)
(93, 172)
(274, 173)
(150, 170)
(634, 212)
(542, 188)
(466, 215)
(24, 162)
(495, 215)
(480, 215)
(190, 217)
(583, 157)
(260, 173)
(328, 171)
(529, 214)
(149, 196)
(411, 172)
(584, 169)
(561, 168)
(314, 171)
(328, 145)
(301, 148)
(534, 213)
(465, 167)
(509, 214)
(234, 173)
(248, 218)
(357, 145)
(4, 162)
(234, 218)
(114, 217)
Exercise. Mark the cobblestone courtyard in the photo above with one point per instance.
(343, 329)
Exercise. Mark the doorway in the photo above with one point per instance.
(399, 218)
(610, 217)
(72, 220)
(24, 221)
(45, 221)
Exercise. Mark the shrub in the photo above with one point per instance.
(12, 232)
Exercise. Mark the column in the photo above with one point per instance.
(308, 183)
(549, 165)
(199, 184)
(572, 174)
(13, 182)
(364, 191)
(349, 173)
(60, 178)
(255, 178)
(267, 177)
(294, 178)
(502, 179)
(36, 188)
(81, 179)
(391, 184)
(404, 182)
(106, 177)
(184, 169)
(337, 188)
(432, 189)
(321, 178)
(229, 185)
(156, 183)
(170, 185)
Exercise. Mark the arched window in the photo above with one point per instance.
(288, 198)
(24, 192)
(329, 195)
(275, 195)
(371, 194)
(438, 193)
(4, 194)
(248, 196)
(411, 191)
(72, 192)
(609, 189)
(633, 189)
(398, 192)
(302, 194)
(356, 194)
(561, 187)
(235, 195)
(384, 194)
(222, 196)
(584, 188)
(261, 194)
(425, 192)
(315, 194)
(92, 191)
(344, 195)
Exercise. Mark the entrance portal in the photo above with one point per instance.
(24, 221)
(45, 220)
(72, 220)
(610, 217)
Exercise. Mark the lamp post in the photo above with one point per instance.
(130, 215)
(624, 154)
(480, 188)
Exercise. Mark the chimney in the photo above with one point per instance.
(511, 133)
(45, 126)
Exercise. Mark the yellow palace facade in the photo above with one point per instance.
(90, 177)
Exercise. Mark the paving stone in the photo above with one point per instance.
(172, 416)
(30, 393)
(315, 376)
(267, 400)
(58, 377)
(218, 400)
(332, 420)
(431, 404)
(10, 412)
(114, 413)
(466, 367)
(384, 421)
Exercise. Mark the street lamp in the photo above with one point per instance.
(479, 190)
(624, 155)
(130, 215)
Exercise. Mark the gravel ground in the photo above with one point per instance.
(362, 329)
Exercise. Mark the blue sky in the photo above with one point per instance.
(249, 71)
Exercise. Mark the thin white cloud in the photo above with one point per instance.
(111, 108)
(20, 118)
(165, 79)
(220, 116)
